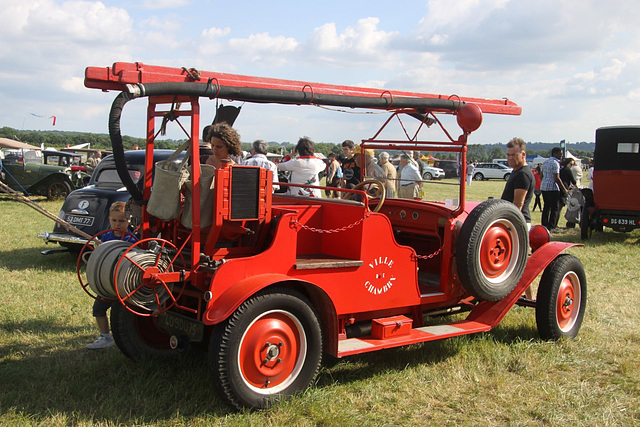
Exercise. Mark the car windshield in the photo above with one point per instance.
(108, 178)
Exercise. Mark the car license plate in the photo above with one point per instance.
(622, 221)
(178, 325)
(79, 220)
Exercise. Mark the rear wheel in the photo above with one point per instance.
(562, 299)
(586, 218)
(478, 177)
(58, 190)
(139, 337)
(270, 348)
(491, 251)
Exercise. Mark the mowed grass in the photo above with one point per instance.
(505, 376)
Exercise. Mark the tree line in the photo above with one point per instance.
(61, 139)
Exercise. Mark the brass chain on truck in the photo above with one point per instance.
(335, 230)
(429, 256)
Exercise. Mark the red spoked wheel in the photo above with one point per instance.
(139, 279)
(269, 348)
(491, 250)
(83, 257)
(561, 299)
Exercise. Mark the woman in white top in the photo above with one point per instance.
(305, 169)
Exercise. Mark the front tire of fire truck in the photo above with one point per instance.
(139, 337)
(268, 349)
(492, 248)
(561, 299)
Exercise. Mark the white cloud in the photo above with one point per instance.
(164, 4)
(262, 46)
(361, 44)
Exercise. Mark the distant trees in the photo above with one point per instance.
(475, 152)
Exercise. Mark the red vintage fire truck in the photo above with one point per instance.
(272, 283)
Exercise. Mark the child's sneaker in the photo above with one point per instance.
(103, 341)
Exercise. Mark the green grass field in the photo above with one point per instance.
(505, 376)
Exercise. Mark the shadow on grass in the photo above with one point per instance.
(597, 238)
(61, 378)
(430, 353)
(21, 259)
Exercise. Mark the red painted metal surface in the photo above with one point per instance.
(120, 74)
(611, 190)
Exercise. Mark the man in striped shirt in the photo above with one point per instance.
(552, 188)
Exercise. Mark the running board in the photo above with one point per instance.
(351, 346)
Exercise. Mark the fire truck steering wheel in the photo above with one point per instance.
(374, 189)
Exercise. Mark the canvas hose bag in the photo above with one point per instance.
(169, 177)
(206, 198)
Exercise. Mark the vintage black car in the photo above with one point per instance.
(88, 208)
(613, 200)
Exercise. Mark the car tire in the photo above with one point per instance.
(492, 249)
(58, 189)
(561, 299)
(478, 177)
(139, 337)
(279, 326)
(427, 176)
(586, 228)
(507, 176)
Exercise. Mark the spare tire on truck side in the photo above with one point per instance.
(492, 249)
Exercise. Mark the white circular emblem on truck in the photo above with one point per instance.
(382, 278)
(83, 204)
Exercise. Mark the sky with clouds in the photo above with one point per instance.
(573, 65)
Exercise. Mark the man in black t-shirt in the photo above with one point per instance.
(520, 185)
(519, 188)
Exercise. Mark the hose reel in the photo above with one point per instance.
(127, 272)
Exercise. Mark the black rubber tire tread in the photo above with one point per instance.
(546, 320)
(469, 243)
(224, 347)
(125, 327)
(507, 176)
(585, 221)
(49, 190)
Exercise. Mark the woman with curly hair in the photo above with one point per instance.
(225, 142)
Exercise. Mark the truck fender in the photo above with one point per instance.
(223, 306)
(44, 182)
(226, 303)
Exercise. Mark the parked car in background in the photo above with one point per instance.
(79, 175)
(614, 201)
(484, 171)
(88, 208)
(25, 171)
(450, 167)
(430, 173)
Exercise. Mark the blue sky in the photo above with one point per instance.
(573, 65)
